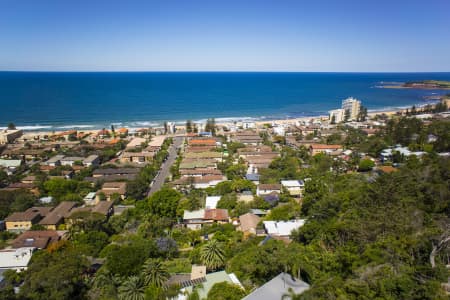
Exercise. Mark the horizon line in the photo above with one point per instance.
(207, 71)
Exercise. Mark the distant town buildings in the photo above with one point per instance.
(349, 111)
(352, 106)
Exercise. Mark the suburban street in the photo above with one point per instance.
(165, 168)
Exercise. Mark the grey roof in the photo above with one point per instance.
(277, 287)
(252, 177)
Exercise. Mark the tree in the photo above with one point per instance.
(211, 126)
(346, 115)
(164, 202)
(189, 127)
(225, 291)
(11, 126)
(333, 119)
(54, 276)
(365, 165)
(212, 255)
(127, 259)
(132, 289)
(362, 115)
(235, 171)
(154, 273)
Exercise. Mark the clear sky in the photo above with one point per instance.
(241, 35)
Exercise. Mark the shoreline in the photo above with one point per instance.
(224, 121)
(90, 129)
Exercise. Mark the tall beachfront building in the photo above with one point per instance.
(353, 106)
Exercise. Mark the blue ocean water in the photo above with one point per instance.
(37, 100)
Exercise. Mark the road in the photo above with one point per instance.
(165, 167)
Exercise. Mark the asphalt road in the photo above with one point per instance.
(164, 172)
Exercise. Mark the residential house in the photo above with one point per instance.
(247, 138)
(217, 156)
(136, 142)
(90, 198)
(245, 196)
(56, 217)
(71, 160)
(282, 228)
(198, 164)
(54, 161)
(323, 148)
(10, 165)
(21, 221)
(253, 177)
(387, 154)
(137, 157)
(39, 239)
(105, 208)
(265, 189)
(115, 171)
(202, 182)
(29, 179)
(91, 160)
(111, 188)
(156, 143)
(209, 142)
(15, 259)
(248, 223)
(211, 279)
(278, 287)
(199, 279)
(196, 219)
(294, 187)
(199, 172)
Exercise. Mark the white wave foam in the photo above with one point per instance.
(143, 124)
(75, 126)
(35, 127)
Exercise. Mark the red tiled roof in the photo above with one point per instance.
(203, 142)
(216, 214)
(324, 146)
(38, 238)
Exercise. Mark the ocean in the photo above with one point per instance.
(60, 100)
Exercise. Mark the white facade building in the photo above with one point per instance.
(337, 114)
(15, 259)
(282, 228)
(353, 106)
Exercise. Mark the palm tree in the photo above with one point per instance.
(132, 289)
(212, 255)
(154, 273)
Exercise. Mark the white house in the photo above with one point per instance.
(91, 160)
(70, 160)
(282, 228)
(15, 259)
(211, 202)
(55, 160)
(294, 187)
(279, 130)
(387, 154)
(265, 189)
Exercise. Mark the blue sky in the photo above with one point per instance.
(239, 35)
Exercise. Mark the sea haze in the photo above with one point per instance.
(53, 100)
